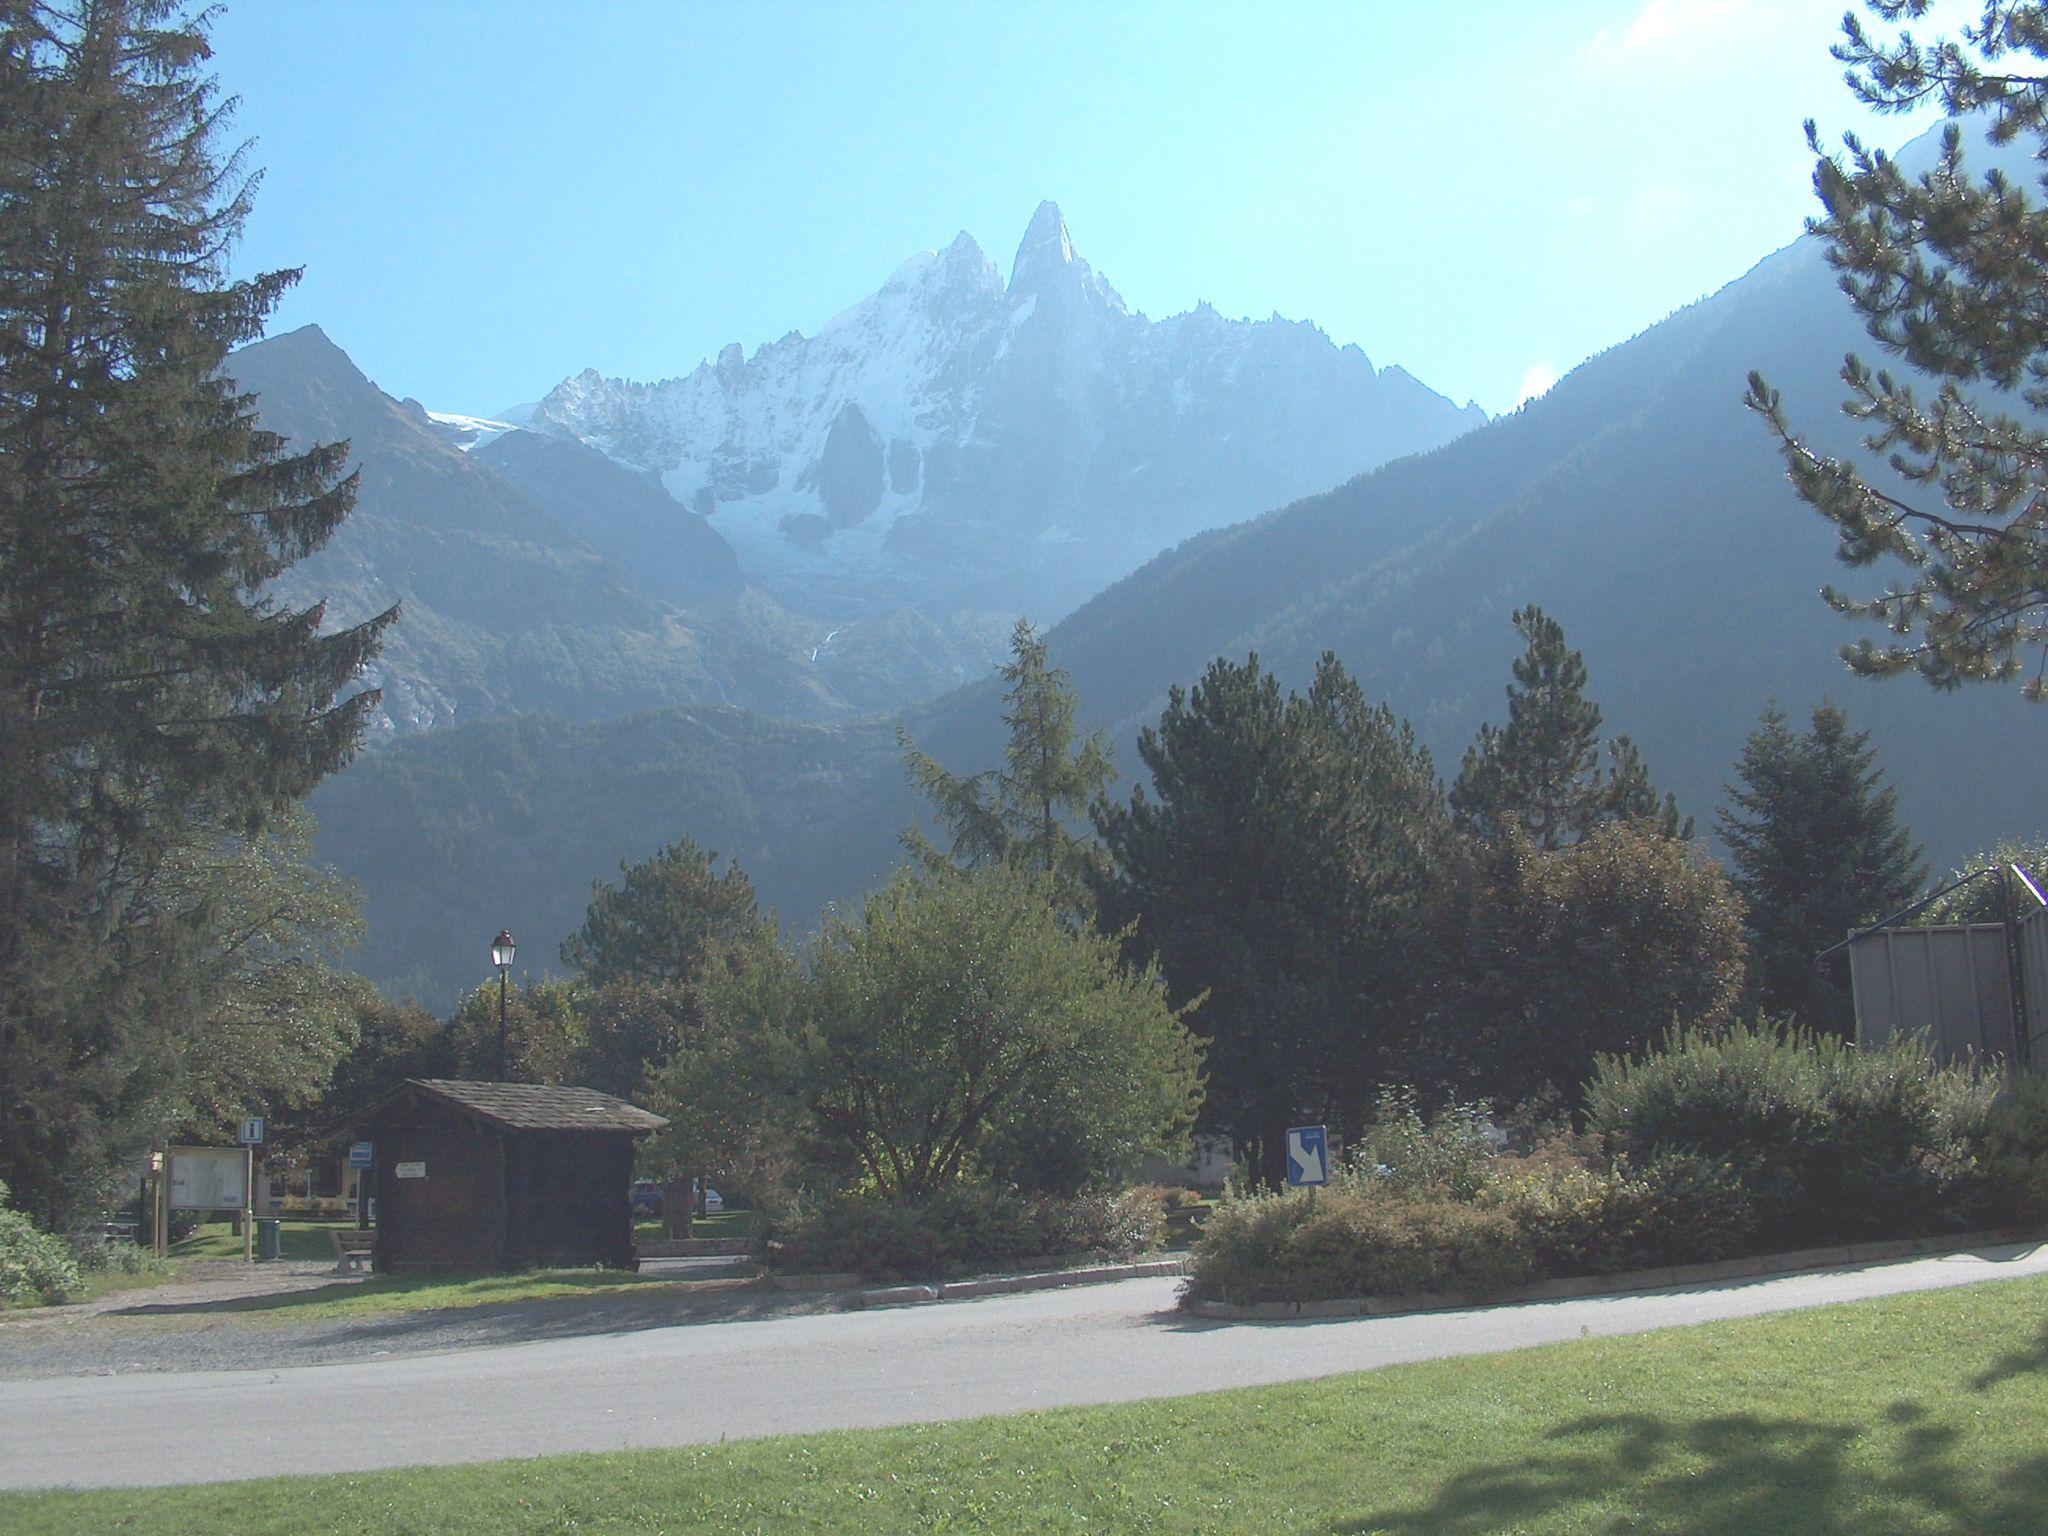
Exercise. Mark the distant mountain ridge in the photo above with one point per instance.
(959, 440)
(1637, 501)
(537, 576)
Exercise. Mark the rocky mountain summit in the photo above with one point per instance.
(957, 440)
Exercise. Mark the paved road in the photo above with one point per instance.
(680, 1386)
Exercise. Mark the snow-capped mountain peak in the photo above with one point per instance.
(953, 437)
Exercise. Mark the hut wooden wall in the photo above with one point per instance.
(455, 1217)
(568, 1195)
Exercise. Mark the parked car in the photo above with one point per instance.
(649, 1199)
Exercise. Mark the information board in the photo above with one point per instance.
(208, 1178)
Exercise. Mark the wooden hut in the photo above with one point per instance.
(504, 1176)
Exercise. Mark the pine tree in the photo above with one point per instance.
(1541, 772)
(658, 925)
(1947, 271)
(153, 699)
(1273, 870)
(1023, 812)
(1817, 847)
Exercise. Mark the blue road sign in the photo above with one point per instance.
(1308, 1155)
(360, 1154)
(252, 1131)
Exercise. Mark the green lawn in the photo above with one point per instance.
(389, 1295)
(1922, 1413)
(296, 1240)
(722, 1224)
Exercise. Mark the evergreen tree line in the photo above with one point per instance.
(1295, 898)
(1296, 901)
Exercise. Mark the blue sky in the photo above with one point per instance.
(487, 197)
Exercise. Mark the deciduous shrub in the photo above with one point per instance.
(114, 1256)
(1444, 1157)
(1583, 1218)
(2012, 1154)
(1830, 1141)
(1286, 1247)
(957, 1229)
(36, 1268)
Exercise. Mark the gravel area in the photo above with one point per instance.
(225, 1317)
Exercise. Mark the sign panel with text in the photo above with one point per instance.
(208, 1178)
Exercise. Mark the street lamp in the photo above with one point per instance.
(502, 951)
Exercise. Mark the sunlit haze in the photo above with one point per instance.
(489, 197)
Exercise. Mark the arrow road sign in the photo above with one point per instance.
(1308, 1160)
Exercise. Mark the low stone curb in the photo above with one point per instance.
(1608, 1285)
(694, 1248)
(828, 1280)
(1005, 1285)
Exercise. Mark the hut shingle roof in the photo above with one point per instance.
(538, 1107)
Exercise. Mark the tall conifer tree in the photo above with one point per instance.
(1947, 269)
(1541, 772)
(1023, 812)
(1814, 835)
(152, 698)
(1276, 865)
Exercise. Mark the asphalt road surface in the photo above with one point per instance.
(687, 1385)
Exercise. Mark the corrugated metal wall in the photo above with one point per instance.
(1953, 982)
(2033, 941)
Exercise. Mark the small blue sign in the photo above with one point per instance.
(1308, 1155)
(361, 1154)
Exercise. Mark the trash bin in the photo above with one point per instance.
(267, 1236)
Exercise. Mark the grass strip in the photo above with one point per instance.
(1918, 1413)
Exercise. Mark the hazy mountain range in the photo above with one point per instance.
(1637, 501)
(955, 440)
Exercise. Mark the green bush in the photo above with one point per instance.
(1287, 1247)
(1444, 1157)
(36, 1268)
(98, 1255)
(2012, 1154)
(959, 1228)
(1832, 1142)
(1582, 1219)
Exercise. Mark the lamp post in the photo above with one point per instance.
(502, 950)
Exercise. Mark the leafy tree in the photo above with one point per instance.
(393, 1042)
(275, 1011)
(630, 1028)
(1947, 271)
(1815, 840)
(664, 916)
(545, 1036)
(956, 1028)
(734, 1092)
(153, 700)
(1274, 870)
(1985, 901)
(1541, 772)
(1022, 812)
(1544, 960)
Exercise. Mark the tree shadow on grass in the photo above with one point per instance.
(2018, 1362)
(1731, 1475)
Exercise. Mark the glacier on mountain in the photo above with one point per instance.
(958, 440)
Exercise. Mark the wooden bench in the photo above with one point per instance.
(352, 1249)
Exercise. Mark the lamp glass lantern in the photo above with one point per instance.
(502, 950)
